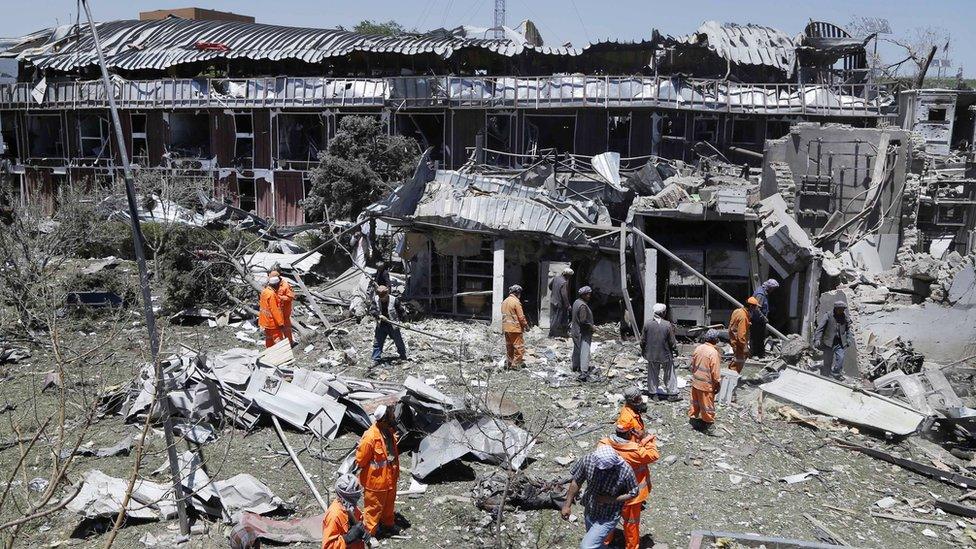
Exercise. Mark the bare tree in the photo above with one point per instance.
(917, 45)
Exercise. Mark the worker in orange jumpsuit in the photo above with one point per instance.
(286, 296)
(638, 454)
(630, 418)
(514, 325)
(706, 380)
(378, 463)
(270, 317)
(739, 333)
(342, 525)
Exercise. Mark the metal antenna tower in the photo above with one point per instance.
(499, 18)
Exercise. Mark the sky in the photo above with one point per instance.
(559, 21)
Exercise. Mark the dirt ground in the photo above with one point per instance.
(727, 483)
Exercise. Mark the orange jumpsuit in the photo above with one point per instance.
(286, 296)
(513, 324)
(630, 420)
(637, 454)
(335, 525)
(739, 337)
(379, 470)
(270, 317)
(706, 379)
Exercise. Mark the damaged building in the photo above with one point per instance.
(250, 106)
(691, 170)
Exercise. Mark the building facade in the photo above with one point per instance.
(250, 106)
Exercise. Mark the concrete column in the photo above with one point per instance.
(811, 298)
(497, 282)
(650, 282)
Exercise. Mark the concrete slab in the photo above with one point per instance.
(835, 399)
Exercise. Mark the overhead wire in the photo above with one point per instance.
(422, 16)
(582, 24)
(450, 5)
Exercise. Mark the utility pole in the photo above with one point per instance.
(137, 243)
(499, 18)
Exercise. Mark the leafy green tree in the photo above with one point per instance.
(361, 164)
(390, 28)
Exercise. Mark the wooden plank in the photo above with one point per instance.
(821, 526)
(912, 519)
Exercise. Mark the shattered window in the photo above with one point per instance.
(300, 137)
(706, 129)
(189, 135)
(244, 140)
(139, 146)
(93, 136)
(44, 136)
(8, 134)
(937, 115)
(745, 131)
(247, 194)
(619, 135)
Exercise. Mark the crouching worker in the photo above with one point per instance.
(378, 463)
(342, 526)
(638, 454)
(610, 483)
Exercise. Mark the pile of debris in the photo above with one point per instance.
(246, 388)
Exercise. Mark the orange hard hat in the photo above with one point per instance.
(753, 301)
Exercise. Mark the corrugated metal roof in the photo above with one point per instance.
(745, 44)
(478, 203)
(135, 45)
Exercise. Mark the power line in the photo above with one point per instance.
(447, 12)
(582, 24)
(422, 16)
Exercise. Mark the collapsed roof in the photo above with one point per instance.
(132, 45)
(477, 203)
(743, 44)
(160, 44)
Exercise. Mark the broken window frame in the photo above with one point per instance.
(139, 140)
(58, 144)
(715, 132)
(420, 131)
(243, 140)
(614, 122)
(8, 135)
(447, 280)
(199, 147)
(247, 201)
(534, 148)
(937, 115)
(753, 134)
(103, 139)
(495, 141)
(310, 160)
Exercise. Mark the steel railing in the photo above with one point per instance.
(540, 92)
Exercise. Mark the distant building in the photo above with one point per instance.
(196, 14)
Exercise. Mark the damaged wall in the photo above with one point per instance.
(832, 168)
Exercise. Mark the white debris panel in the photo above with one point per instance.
(835, 399)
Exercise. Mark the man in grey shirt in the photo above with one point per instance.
(833, 336)
(581, 330)
(659, 348)
(560, 304)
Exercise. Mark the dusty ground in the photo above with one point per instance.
(723, 483)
